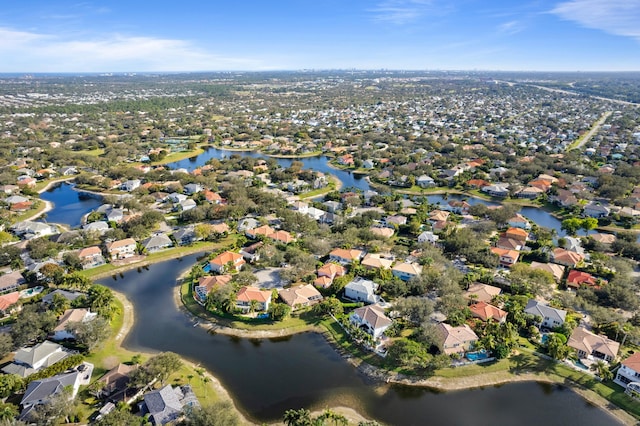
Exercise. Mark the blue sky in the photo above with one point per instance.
(188, 35)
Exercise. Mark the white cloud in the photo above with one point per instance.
(618, 17)
(33, 52)
(510, 27)
(400, 12)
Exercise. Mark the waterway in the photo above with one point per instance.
(69, 205)
(268, 376)
(321, 164)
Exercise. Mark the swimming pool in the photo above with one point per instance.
(475, 356)
(207, 268)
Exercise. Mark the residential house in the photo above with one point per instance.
(247, 223)
(507, 258)
(226, 261)
(382, 232)
(30, 360)
(405, 271)
(11, 281)
(300, 296)
(529, 192)
(29, 229)
(376, 261)
(479, 292)
(186, 205)
(263, 230)
(91, 257)
(550, 317)
(116, 381)
(8, 303)
(396, 220)
(485, 312)
(596, 210)
(176, 197)
(588, 344)
(156, 243)
(371, 319)
(251, 253)
(115, 215)
(425, 181)
(566, 257)
(438, 216)
(345, 256)
(606, 239)
(208, 283)
(517, 234)
(554, 269)
(40, 391)
(629, 370)
(455, 339)
(428, 237)
(565, 198)
(130, 185)
(167, 405)
(212, 197)
(192, 188)
(519, 221)
(185, 236)
(577, 279)
(331, 270)
(69, 317)
(361, 290)
(122, 249)
(509, 244)
(99, 227)
(69, 295)
(500, 190)
(249, 297)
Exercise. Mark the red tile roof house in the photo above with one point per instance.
(247, 294)
(566, 257)
(576, 279)
(331, 270)
(122, 249)
(300, 296)
(208, 283)
(507, 258)
(225, 260)
(485, 312)
(91, 257)
(517, 234)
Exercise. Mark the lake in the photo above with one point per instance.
(265, 377)
(69, 205)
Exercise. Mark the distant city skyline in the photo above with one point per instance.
(255, 35)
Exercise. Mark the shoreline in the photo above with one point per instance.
(381, 377)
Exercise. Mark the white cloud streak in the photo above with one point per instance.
(34, 52)
(618, 17)
(401, 12)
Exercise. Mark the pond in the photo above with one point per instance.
(69, 205)
(268, 376)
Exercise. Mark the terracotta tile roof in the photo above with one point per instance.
(89, 251)
(633, 362)
(247, 294)
(331, 270)
(226, 257)
(323, 282)
(210, 282)
(482, 292)
(484, 311)
(346, 254)
(6, 300)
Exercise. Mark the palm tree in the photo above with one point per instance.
(253, 306)
(602, 369)
(301, 417)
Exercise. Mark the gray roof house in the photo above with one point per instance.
(39, 391)
(361, 290)
(69, 295)
(167, 404)
(372, 319)
(156, 243)
(29, 229)
(100, 227)
(11, 281)
(29, 360)
(192, 188)
(596, 210)
(186, 235)
(551, 317)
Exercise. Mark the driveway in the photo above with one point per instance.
(268, 278)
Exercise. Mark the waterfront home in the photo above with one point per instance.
(455, 339)
(553, 268)
(115, 215)
(11, 281)
(30, 360)
(519, 221)
(549, 317)
(517, 234)
(606, 239)
(406, 270)
(424, 181)
(481, 292)
(248, 297)
(485, 312)
(130, 185)
(500, 190)
(588, 344)
(167, 405)
(226, 262)
(596, 210)
(69, 295)
(121, 249)
(69, 317)
(185, 236)
(361, 290)
(300, 296)
(565, 198)
(345, 256)
(566, 257)
(90, 257)
(207, 284)
(529, 192)
(116, 381)
(371, 319)
(156, 243)
(41, 391)
(507, 258)
(629, 370)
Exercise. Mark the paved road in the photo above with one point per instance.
(593, 130)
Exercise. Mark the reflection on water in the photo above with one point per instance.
(269, 376)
